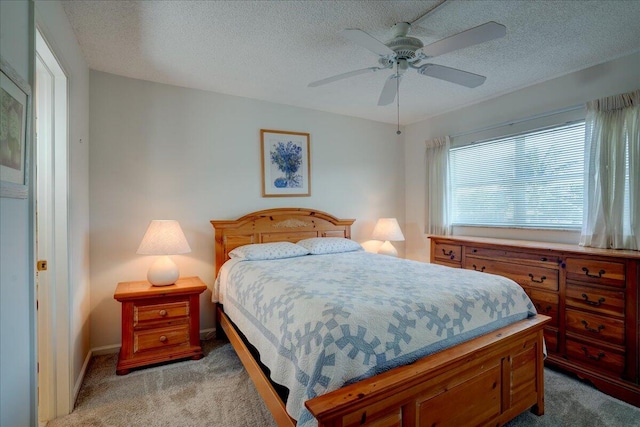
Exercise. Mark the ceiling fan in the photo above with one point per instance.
(404, 52)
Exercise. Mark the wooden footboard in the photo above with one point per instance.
(485, 381)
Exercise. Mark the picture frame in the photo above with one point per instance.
(286, 163)
(15, 128)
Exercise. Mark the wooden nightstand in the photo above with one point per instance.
(159, 323)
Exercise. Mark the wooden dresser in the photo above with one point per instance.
(591, 295)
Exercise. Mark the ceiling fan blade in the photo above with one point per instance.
(367, 41)
(344, 76)
(480, 34)
(389, 90)
(452, 75)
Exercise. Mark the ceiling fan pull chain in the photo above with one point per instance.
(398, 97)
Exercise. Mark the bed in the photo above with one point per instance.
(483, 376)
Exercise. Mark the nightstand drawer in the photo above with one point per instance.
(153, 312)
(153, 339)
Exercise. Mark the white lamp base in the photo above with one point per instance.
(163, 272)
(388, 249)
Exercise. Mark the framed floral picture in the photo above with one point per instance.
(285, 163)
(15, 110)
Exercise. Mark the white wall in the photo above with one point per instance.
(17, 340)
(56, 29)
(606, 79)
(165, 152)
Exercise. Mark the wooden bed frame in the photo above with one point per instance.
(485, 381)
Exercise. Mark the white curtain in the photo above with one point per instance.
(437, 199)
(612, 173)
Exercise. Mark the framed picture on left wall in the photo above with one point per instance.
(15, 113)
(286, 163)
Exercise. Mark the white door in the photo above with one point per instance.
(52, 281)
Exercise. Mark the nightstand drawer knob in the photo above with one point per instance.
(163, 338)
(163, 313)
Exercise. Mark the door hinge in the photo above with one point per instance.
(42, 265)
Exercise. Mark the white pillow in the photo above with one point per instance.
(329, 245)
(264, 251)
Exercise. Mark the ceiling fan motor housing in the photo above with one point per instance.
(404, 47)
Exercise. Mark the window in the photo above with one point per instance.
(533, 179)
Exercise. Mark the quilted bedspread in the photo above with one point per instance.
(320, 322)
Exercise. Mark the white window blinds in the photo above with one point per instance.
(533, 179)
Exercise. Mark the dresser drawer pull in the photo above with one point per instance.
(478, 269)
(543, 259)
(595, 331)
(593, 303)
(163, 338)
(450, 254)
(599, 276)
(542, 279)
(547, 310)
(592, 357)
(162, 313)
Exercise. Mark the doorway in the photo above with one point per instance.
(52, 275)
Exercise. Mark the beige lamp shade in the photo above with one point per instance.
(387, 230)
(163, 237)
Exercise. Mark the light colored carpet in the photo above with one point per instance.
(214, 391)
(217, 392)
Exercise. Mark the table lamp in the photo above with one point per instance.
(163, 237)
(387, 229)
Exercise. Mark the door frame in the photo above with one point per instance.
(55, 382)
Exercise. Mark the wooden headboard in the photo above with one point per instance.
(276, 225)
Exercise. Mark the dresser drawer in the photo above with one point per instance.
(598, 300)
(153, 339)
(595, 271)
(551, 340)
(448, 253)
(594, 326)
(448, 264)
(591, 354)
(507, 255)
(545, 303)
(525, 275)
(154, 312)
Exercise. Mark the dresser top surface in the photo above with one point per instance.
(540, 246)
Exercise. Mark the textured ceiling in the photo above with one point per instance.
(271, 50)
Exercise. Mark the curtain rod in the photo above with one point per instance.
(515, 122)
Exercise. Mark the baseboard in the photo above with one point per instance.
(207, 334)
(106, 349)
(80, 379)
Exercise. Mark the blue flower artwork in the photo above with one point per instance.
(285, 163)
(287, 156)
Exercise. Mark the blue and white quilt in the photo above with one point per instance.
(324, 321)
